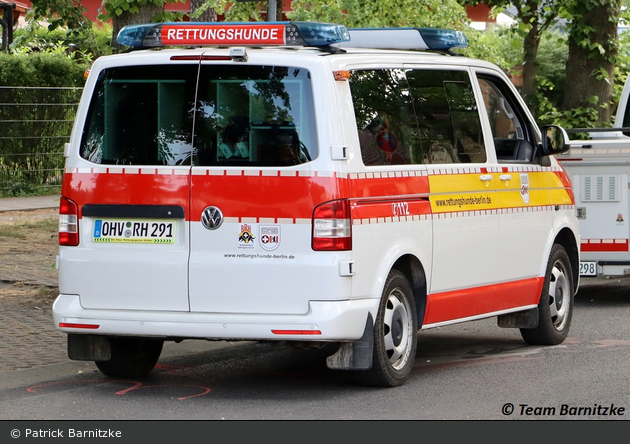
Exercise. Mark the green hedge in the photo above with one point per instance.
(41, 70)
(38, 97)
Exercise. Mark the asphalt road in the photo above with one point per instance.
(469, 371)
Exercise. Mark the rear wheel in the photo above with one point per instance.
(395, 335)
(131, 357)
(555, 308)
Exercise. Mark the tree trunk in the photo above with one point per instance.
(589, 72)
(530, 66)
(144, 15)
(209, 15)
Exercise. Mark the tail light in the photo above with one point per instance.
(332, 226)
(68, 223)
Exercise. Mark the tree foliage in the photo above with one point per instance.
(131, 12)
(599, 62)
(85, 46)
(535, 17)
(60, 13)
(382, 13)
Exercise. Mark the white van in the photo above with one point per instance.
(291, 182)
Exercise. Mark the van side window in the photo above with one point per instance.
(384, 114)
(513, 139)
(447, 115)
(410, 116)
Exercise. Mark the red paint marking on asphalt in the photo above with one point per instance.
(139, 385)
(134, 386)
(33, 388)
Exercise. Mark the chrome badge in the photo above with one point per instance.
(211, 218)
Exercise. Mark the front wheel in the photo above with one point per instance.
(131, 357)
(555, 308)
(395, 335)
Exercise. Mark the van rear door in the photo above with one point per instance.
(253, 192)
(131, 183)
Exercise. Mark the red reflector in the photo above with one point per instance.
(86, 326)
(207, 57)
(332, 244)
(296, 332)
(198, 57)
(195, 57)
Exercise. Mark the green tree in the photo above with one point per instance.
(132, 12)
(69, 14)
(382, 13)
(593, 51)
(534, 18)
(202, 11)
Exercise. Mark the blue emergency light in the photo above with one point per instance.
(406, 38)
(288, 34)
(230, 34)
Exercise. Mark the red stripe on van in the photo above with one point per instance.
(460, 304)
(264, 196)
(397, 208)
(390, 186)
(240, 193)
(604, 245)
(126, 188)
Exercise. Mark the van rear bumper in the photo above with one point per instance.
(335, 320)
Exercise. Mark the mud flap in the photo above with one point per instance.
(89, 348)
(355, 355)
(520, 319)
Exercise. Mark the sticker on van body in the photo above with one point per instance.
(129, 231)
(525, 187)
(269, 237)
(245, 237)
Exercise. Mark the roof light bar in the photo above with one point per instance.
(406, 38)
(229, 34)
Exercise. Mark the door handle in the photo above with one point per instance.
(485, 177)
(505, 177)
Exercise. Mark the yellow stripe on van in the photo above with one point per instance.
(462, 192)
(467, 192)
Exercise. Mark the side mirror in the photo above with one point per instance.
(555, 140)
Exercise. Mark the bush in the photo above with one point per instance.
(41, 70)
(40, 85)
(89, 44)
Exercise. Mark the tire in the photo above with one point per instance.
(395, 335)
(131, 357)
(555, 308)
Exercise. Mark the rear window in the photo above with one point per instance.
(232, 115)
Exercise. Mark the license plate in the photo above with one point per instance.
(134, 231)
(588, 268)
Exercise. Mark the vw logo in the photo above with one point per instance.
(211, 218)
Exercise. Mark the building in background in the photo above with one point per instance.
(479, 15)
(482, 19)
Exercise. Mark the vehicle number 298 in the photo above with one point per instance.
(588, 268)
